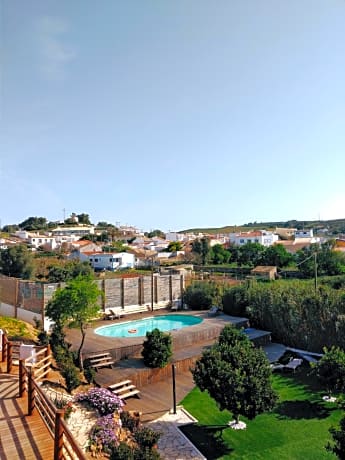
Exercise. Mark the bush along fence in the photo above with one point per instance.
(32, 370)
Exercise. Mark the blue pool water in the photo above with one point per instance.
(139, 327)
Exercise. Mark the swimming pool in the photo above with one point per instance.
(139, 327)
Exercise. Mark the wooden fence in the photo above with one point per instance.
(32, 370)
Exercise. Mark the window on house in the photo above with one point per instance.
(96, 260)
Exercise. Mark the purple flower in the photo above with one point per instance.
(103, 432)
(101, 399)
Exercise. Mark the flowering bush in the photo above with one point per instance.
(103, 433)
(101, 399)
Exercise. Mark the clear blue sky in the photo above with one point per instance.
(172, 114)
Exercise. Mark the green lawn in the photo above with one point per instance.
(296, 429)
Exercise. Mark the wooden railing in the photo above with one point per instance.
(31, 371)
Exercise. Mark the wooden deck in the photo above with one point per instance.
(22, 437)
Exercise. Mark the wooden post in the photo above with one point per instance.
(22, 375)
(156, 288)
(181, 289)
(3, 346)
(174, 386)
(48, 353)
(9, 357)
(170, 290)
(122, 287)
(58, 435)
(31, 392)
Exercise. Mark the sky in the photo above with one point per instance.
(172, 114)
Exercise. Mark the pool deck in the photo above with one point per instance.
(95, 343)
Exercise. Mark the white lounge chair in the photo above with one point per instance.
(213, 311)
(294, 363)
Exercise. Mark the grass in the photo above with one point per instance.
(17, 329)
(296, 429)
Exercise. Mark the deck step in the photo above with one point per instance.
(124, 389)
(130, 393)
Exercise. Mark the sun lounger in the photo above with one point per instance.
(294, 363)
(213, 311)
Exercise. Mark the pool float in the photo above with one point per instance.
(132, 331)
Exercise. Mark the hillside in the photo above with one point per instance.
(334, 227)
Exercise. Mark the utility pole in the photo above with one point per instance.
(152, 283)
(315, 270)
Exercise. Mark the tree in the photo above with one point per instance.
(251, 254)
(72, 269)
(34, 223)
(338, 448)
(219, 255)
(10, 228)
(174, 246)
(157, 348)
(202, 248)
(322, 257)
(84, 219)
(16, 261)
(75, 306)
(276, 255)
(236, 375)
(154, 233)
(330, 370)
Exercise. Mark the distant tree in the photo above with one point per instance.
(330, 370)
(16, 261)
(116, 246)
(154, 233)
(104, 224)
(10, 228)
(174, 246)
(251, 254)
(338, 435)
(75, 306)
(84, 219)
(157, 348)
(219, 255)
(328, 261)
(202, 248)
(68, 271)
(236, 375)
(34, 223)
(235, 252)
(276, 255)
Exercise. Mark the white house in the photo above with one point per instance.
(111, 260)
(78, 230)
(263, 237)
(37, 241)
(302, 236)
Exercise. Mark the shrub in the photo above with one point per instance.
(101, 399)
(338, 446)
(89, 372)
(128, 421)
(146, 437)
(71, 375)
(199, 296)
(235, 301)
(157, 349)
(122, 452)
